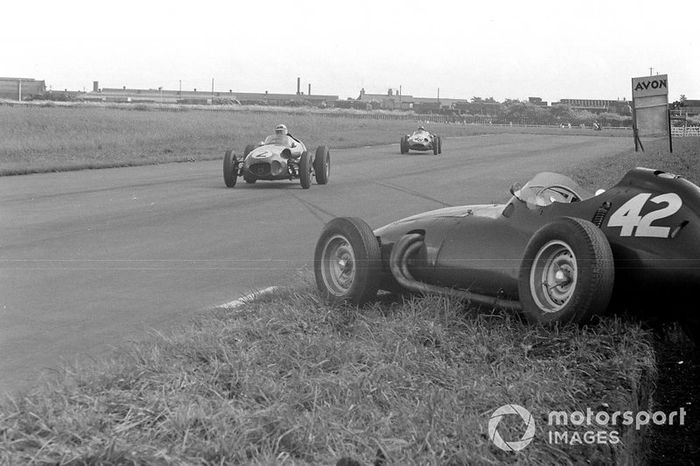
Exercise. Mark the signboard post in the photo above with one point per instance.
(650, 116)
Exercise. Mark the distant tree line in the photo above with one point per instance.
(524, 112)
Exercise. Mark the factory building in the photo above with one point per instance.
(21, 88)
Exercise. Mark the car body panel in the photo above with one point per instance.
(274, 161)
(421, 140)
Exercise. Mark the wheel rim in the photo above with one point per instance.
(553, 276)
(338, 265)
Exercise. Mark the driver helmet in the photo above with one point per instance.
(420, 128)
(281, 129)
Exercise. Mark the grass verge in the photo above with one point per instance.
(40, 138)
(606, 172)
(287, 379)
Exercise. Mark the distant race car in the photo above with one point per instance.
(552, 252)
(278, 157)
(421, 140)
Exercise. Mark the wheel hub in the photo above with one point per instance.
(338, 265)
(553, 276)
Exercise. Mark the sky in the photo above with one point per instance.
(500, 49)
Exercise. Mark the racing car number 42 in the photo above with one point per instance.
(633, 224)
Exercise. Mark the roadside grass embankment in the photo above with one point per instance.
(45, 138)
(608, 171)
(288, 379)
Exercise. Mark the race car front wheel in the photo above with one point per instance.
(230, 169)
(567, 273)
(305, 171)
(404, 145)
(347, 261)
(322, 165)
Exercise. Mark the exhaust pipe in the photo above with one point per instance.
(398, 262)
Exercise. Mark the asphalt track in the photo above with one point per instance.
(92, 259)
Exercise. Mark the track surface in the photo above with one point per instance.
(92, 259)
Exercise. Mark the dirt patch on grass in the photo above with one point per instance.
(678, 386)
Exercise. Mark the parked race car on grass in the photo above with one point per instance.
(279, 157)
(553, 251)
(421, 140)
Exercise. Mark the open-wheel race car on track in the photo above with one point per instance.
(278, 157)
(552, 252)
(421, 140)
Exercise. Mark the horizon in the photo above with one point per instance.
(504, 50)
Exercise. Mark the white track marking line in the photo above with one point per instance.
(247, 298)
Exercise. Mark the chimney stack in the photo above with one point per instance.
(298, 86)
(309, 93)
(95, 86)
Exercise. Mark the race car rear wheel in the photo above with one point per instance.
(305, 171)
(230, 169)
(404, 145)
(567, 273)
(436, 149)
(439, 138)
(322, 165)
(347, 261)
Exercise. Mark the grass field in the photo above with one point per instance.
(288, 379)
(36, 138)
(684, 160)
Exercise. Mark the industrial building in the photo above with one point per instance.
(621, 107)
(395, 100)
(205, 97)
(21, 88)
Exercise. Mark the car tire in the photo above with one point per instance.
(567, 273)
(230, 169)
(347, 262)
(436, 148)
(305, 171)
(248, 149)
(439, 144)
(404, 145)
(322, 165)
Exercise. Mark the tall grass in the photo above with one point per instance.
(287, 379)
(604, 173)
